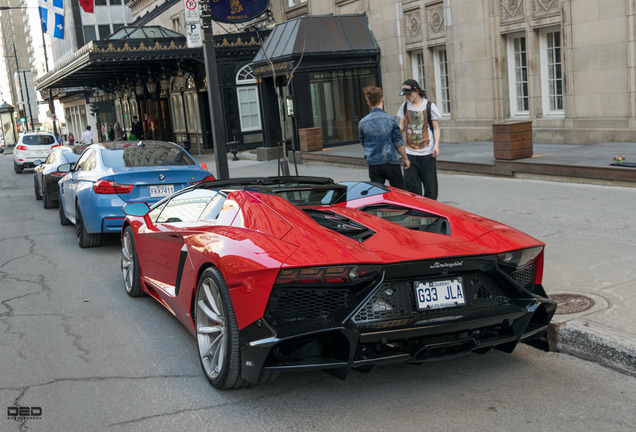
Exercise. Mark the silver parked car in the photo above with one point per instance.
(30, 147)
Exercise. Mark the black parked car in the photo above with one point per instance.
(46, 176)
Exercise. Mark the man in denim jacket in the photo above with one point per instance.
(380, 135)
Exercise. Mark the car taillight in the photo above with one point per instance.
(57, 145)
(110, 187)
(21, 147)
(58, 174)
(208, 178)
(345, 274)
(519, 258)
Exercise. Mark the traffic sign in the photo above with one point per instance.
(191, 11)
(193, 35)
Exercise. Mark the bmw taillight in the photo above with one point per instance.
(208, 178)
(21, 147)
(345, 274)
(111, 187)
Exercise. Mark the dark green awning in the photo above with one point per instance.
(310, 37)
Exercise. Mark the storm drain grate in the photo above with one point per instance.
(571, 303)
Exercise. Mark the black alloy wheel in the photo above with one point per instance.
(84, 238)
(38, 195)
(47, 201)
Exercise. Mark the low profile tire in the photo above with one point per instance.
(130, 264)
(217, 331)
(84, 239)
(63, 219)
(38, 195)
(47, 202)
(17, 168)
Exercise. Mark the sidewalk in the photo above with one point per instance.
(586, 325)
(562, 162)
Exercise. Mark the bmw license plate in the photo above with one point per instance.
(161, 190)
(439, 294)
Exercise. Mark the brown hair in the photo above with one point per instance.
(373, 95)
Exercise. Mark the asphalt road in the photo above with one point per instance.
(74, 345)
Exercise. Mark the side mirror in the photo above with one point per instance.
(138, 209)
(64, 168)
(37, 162)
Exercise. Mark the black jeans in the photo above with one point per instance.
(423, 169)
(390, 172)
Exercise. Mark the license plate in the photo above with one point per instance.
(161, 191)
(439, 294)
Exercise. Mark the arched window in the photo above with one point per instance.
(248, 102)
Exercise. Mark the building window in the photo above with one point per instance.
(551, 73)
(104, 31)
(338, 103)
(248, 102)
(518, 76)
(176, 24)
(417, 60)
(292, 3)
(89, 33)
(443, 87)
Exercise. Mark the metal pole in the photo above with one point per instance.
(185, 119)
(26, 89)
(17, 68)
(51, 103)
(214, 96)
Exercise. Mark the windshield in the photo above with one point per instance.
(38, 139)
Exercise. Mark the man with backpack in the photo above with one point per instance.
(419, 119)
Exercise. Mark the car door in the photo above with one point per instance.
(75, 181)
(161, 248)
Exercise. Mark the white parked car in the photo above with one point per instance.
(31, 147)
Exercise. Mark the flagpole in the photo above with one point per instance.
(51, 103)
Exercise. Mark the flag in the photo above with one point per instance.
(87, 5)
(52, 17)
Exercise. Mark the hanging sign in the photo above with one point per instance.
(237, 11)
(191, 11)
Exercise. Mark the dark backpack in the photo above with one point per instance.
(428, 113)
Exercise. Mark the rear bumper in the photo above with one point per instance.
(345, 346)
(353, 336)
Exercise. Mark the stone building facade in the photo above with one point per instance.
(567, 66)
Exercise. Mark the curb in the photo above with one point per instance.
(576, 339)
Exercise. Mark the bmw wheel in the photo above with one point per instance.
(130, 264)
(38, 195)
(217, 331)
(84, 238)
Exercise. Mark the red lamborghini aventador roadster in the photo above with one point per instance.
(299, 273)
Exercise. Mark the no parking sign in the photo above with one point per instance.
(192, 25)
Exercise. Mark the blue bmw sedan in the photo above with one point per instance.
(109, 175)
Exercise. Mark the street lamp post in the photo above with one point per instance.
(46, 59)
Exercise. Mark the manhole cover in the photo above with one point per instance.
(571, 303)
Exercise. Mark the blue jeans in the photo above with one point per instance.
(423, 169)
